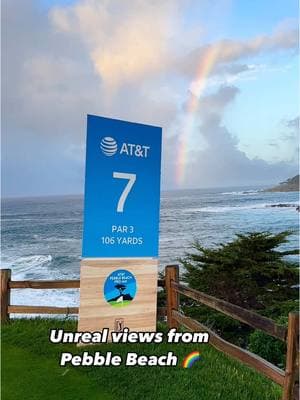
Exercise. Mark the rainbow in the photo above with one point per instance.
(190, 359)
(208, 60)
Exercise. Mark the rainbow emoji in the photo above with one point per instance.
(190, 359)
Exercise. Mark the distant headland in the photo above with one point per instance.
(290, 185)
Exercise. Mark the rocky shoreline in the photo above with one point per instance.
(290, 185)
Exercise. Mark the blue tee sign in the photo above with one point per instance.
(122, 189)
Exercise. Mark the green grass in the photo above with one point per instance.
(120, 304)
(30, 370)
(31, 377)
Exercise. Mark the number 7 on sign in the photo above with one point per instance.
(131, 179)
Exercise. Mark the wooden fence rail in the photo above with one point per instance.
(247, 317)
(7, 284)
(253, 360)
(288, 379)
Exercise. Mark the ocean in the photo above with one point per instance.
(41, 237)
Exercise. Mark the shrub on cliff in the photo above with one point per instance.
(249, 271)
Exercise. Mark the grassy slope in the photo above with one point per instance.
(31, 371)
(31, 377)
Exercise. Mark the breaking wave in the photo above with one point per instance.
(223, 209)
(242, 193)
(27, 262)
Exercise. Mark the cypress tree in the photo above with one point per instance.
(249, 271)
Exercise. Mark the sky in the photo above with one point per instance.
(221, 77)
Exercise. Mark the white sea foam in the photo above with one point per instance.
(21, 265)
(50, 297)
(57, 239)
(242, 193)
(223, 209)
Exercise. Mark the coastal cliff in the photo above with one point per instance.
(290, 185)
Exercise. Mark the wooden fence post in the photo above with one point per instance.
(292, 358)
(5, 275)
(171, 274)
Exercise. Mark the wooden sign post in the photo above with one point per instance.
(121, 219)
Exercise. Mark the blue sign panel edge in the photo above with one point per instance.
(144, 226)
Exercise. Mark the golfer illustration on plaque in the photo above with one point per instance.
(120, 288)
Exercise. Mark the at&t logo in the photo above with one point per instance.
(109, 147)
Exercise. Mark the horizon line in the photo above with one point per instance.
(32, 196)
